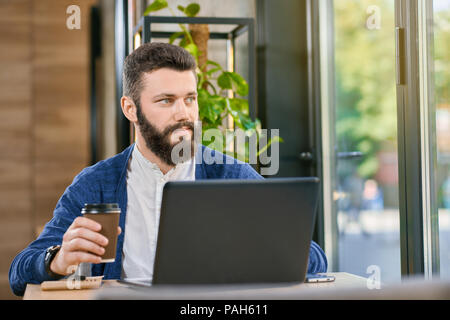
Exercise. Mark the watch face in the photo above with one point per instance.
(51, 252)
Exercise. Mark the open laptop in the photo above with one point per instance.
(235, 231)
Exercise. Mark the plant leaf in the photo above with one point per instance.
(246, 121)
(205, 107)
(214, 63)
(192, 9)
(240, 105)
(272, 140)
(224, 81)
(183, 42)
(213, 70)
(181, 8)
(155, 6)
(200, 80)
(210, 106)
(210, 85)
(238, 109)
(175, 36)
(234, 114)
(240, 84)
(207, 112)
(192, 49)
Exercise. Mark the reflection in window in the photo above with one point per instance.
(441, 29)
(366, 135)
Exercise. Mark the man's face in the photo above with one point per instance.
(168, 111)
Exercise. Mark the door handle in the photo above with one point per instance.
(400, 55)
(306, 156)
(350, 155)
(309, 157)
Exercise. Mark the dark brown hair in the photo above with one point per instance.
(151, 57)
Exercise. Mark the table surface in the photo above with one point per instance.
(343, 281)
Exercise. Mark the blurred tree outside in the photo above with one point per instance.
(366, 105)
(442, 58)
(441, 52)
(366, 111)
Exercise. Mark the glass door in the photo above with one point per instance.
(366, 138)
(385, 117)
(439, 105)
(360, 125)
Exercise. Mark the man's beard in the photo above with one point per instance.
(159, 142)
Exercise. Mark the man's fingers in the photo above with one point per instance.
(80, 244)
(76, 257)
(86, 234)
(83, 222)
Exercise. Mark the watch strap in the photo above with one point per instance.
(49, 256)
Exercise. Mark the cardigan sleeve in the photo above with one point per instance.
(317, 259)
(28, 266)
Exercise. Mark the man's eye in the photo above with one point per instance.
(165, 101)
(190, 99)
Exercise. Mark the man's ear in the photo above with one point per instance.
(129, 109)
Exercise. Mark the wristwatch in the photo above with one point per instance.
(50, 254)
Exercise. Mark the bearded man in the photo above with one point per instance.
(160, 99)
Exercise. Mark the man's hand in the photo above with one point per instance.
(82, 242)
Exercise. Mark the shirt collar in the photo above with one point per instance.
(179, 171)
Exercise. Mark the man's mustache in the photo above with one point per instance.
(179, 125)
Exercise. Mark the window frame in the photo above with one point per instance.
(418, 224)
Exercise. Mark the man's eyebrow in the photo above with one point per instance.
(164, 95)
(171, 95)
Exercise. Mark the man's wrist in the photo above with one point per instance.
(49, 261)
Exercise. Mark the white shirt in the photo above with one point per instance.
(145, 183)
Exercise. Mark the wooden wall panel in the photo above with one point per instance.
(61, 101)
(44, 116)
(15, 134)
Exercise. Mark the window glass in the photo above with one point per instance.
(366, 192)
(441, 52)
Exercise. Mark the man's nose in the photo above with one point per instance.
(181, 111)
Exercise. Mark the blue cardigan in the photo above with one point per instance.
(105, 182)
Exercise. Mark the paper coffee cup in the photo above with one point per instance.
(107, 215)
